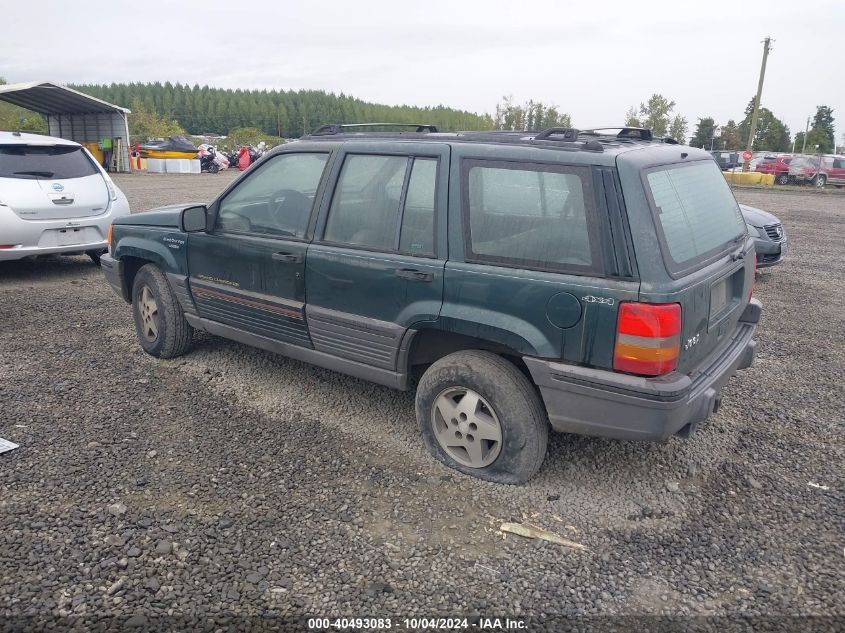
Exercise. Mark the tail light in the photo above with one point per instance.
(109, 239)
(648, 338)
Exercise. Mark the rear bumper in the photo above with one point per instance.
(604, 403)
(29, 251)
(113, 270)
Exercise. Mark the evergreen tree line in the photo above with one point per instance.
(285, 113)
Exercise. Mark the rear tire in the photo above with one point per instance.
(463, 399)
(160, 324)
(783, 179)
(820, 181)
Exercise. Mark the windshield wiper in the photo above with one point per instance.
(45, 174)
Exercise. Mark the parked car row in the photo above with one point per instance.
(818, 170)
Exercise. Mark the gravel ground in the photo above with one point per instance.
(233, 484)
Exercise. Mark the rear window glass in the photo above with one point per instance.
(54, 162)
(697, 213)
(536, 216)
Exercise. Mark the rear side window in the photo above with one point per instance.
(53, 162)
(369, 209)
(530, 215)
(696, 211)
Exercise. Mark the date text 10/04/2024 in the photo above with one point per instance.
(376, 624)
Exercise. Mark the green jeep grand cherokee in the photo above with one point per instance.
(595, 282)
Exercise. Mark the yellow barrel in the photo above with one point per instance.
(94, 148)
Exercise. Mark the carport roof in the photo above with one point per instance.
(49, 98)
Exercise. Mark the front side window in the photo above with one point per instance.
(276, 198)
(367, 209)
(696, 211)
(53, 162)
(537, 216)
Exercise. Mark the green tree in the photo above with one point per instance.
(822, 132)
(678, 128)
(241, 136)
(655, 114)
(818, 142)
(16, 119)
(201, 109)
(145, 124)
(772, 133)
(704, 132)
(531, 115)
(631, 118)
(730, 136)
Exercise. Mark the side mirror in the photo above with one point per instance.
(194, 219)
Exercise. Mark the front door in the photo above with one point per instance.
(249, 271)
(377, 268)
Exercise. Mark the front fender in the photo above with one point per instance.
(164, 247)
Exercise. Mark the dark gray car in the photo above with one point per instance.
(769, 235)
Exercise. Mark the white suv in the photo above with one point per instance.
(54, 198)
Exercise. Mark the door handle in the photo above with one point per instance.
(289, 258)
(413, 275)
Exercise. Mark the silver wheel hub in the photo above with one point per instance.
(466, 427)
(148, 309)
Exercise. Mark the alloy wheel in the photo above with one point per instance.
(466, 427)
(148, 309)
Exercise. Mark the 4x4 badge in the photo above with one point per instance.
(605, 300)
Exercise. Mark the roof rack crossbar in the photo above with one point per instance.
(337, 128)
(568, 133)
(640, 133)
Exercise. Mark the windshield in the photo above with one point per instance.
(55, 162)
(696, 211)
(804, 161)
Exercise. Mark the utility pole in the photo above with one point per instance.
(806, 131)
(767, 45)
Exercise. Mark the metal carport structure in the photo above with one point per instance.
(71, 114)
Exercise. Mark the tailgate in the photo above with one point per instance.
(712, 304)
(706, 251)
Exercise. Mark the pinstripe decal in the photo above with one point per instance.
(267, 307)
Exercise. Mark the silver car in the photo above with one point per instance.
(54, 198)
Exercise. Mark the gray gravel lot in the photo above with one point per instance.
(232, 482)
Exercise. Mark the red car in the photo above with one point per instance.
(818, 170)
(776, 165)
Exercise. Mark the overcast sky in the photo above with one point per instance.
(592, 59)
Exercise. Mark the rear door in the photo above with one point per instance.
(705, 249)
(375, 269)
(837, 172)
(51, 182)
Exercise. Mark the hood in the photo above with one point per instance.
(757, 217)
(162, 216)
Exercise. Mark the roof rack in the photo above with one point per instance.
(636, 133)
(337, 128)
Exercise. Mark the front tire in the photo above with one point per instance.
(481, 416)
(160, 324)
(783, 179)
(820, 181)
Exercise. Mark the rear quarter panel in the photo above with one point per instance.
(516, 307)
